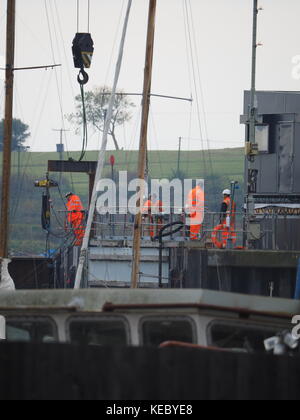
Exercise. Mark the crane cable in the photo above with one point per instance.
(89, 13)
(83, 49)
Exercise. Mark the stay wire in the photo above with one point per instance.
(195, 83)
(202, 96)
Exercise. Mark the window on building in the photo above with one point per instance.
(262, 135)
(155, 331)
(99, 331)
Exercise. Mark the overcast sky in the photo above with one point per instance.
(222, 30)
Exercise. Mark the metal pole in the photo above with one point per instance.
(7, 143)
(252, 125)
(143, 142)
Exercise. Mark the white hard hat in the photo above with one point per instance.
(226, 192)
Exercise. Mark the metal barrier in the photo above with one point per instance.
(120, 226)
(115, 224)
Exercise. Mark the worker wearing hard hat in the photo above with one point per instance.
(195, 211)
(157, 212)
(152, 214)
(228, 210)
(76, 217)
(226, 228)
(147, 218)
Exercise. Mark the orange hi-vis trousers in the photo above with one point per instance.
(195, 232)
(79, 231)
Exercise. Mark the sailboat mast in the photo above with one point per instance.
(143, 142)
(7, 137)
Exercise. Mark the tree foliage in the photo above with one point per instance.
(96, 104)
(20, 134)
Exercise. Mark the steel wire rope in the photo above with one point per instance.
(34, 137)
(89, 10)
(100, 281)
(155, 132)
(125, 136)
(64, 49)
(202, 99)
(189, 138)
(195, 86)
(199, 75)
(129, 155)
(189, 42)
(114, 42)
(56, 77)
(18, 107)
(15, 207)
(58, 45)
(188, 59)
(36, 38)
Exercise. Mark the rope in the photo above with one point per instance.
(101, 159)
(84, 120)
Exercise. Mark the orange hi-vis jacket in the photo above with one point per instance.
(157, 207)
(76, 218)
(147, 207)
(195, 205)
(230, 211)
(151, 209)
(75, 209)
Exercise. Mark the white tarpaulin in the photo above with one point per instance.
(6, 282)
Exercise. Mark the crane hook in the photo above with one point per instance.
(83, 77)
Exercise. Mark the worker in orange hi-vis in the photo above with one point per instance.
(228, 217)
(157, 213)
(195, 211)
(76, 217)
(147, 217)
(152, 212)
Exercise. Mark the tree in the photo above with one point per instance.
(96, 104)
(20, 134)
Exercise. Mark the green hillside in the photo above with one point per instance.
(26, 233)
(227, 163)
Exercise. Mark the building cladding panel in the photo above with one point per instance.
(279, 168)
